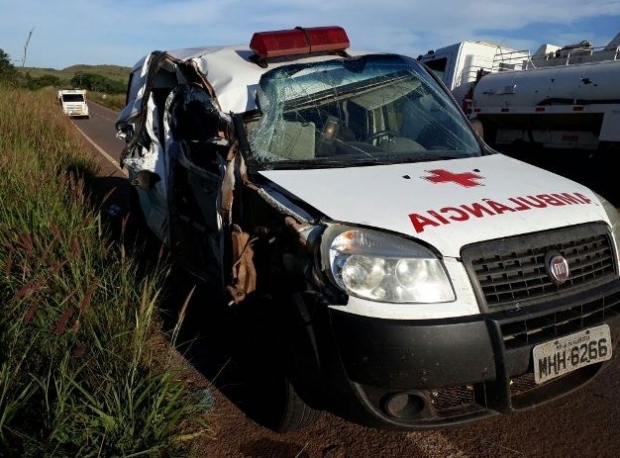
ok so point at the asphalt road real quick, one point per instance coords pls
(582, 424)
(99, 131)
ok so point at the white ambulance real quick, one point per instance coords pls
(399, 272)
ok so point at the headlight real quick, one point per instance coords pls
(383, 267)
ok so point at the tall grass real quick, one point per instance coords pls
(78, 377)
(112, 101)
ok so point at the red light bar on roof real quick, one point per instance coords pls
(267, 45)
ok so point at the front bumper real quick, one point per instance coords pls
(416, 375)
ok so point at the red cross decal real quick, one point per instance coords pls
(467, 179)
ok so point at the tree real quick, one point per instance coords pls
(42, 81)
(8, 72)
(95, 82)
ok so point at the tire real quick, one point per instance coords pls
(275, 404)
(273, 400)
(296, 414)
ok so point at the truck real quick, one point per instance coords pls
(388, 265)
(73, 102)
(562, 97)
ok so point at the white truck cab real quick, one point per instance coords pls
(415, 277)
(73, 102)
(462, 64)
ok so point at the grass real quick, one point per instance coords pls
(78, 375)
(112, 101)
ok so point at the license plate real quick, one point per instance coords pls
(565, 354)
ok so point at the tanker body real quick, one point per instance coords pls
(559, 97)
(573, 106)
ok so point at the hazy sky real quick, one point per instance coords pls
(68, 32)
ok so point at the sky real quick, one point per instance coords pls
(60, 33)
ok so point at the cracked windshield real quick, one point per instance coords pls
(373, 109)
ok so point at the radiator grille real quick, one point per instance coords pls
(453, 397)
(534, 330)
(512, 272)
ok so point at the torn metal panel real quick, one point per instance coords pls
(173, 102)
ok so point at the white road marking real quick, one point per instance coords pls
(103, 153)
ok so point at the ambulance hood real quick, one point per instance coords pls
(448, 203)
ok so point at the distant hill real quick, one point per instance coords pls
(114, 72)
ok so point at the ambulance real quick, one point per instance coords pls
(399, 272)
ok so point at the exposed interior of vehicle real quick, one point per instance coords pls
(332, 113)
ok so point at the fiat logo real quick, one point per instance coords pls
(557, 268)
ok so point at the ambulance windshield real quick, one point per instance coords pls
(375, 108)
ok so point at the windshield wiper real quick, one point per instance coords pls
(320, 163)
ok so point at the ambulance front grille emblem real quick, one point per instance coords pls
(557, 268)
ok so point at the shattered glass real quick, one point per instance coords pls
(370, 109)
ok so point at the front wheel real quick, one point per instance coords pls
(274, 398)
(287, 410)
(272, 401)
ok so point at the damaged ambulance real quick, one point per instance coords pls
(423, 279)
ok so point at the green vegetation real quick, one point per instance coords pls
(89, 81)
(8, 74)
(95, 82)
(79, 374)
(107, 79)
(106, 84)
(114, 101)
(112, 72)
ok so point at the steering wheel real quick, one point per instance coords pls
(382, 133)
